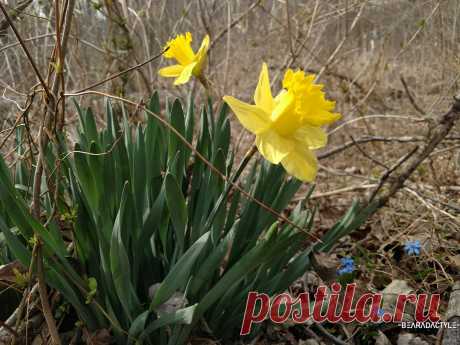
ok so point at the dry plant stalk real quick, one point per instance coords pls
(53, 120)
(437, 134)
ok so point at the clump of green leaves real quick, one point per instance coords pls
(155, 256)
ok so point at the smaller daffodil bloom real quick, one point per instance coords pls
(188, 63)
(287, 127)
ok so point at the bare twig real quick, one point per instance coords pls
(116, 75)
(340, 45)
(364, 153)
(369, 139)
(233, 23)
(289, 29)
(387, 173)
(411, 97)
(438, 133)
(26, 51)
(15, 12)
(337, 191)
(47, 312)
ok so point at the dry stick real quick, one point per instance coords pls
(116, 75)
(368, 139)
(227, 51)
(420, 29)
(15, 12)
(411, 97)
(39, 169)
(59, 65)
(288, 21)
(365, 154)
(45, 128)
(200, 156)
(340, 45)
(236, 21)
(302, 45)
(87, 43)
(438, 133)
(432, 200)
(389, 171)
(337, 191)
(11, 131)
(25, 40)
(47, 312)
(24, 48)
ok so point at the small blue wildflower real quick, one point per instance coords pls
(380, 312)
(412, 247)
(347, 266)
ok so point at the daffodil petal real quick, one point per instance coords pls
(273, 146)
(252, 117)
(201, 55)
(203, 48)
(301, 163)
(313, 137)
(180, 48)
(322, 117)
(279, 96)
(185, 74)
(285, 104)
(171, 71)
(263, 95)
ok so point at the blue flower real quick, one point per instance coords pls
(412, 247)
(381, 312)
(347, 265)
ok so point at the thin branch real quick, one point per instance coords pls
(47, 311)
(116, 75)
(365, 154)
(369, 139)
(236, 21)
(289, 29)
(387, 173)
(438, 133)
(26, 51)
(337, 191)
(411, 97)
(340, 45)
(15, 12)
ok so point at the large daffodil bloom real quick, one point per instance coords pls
(189, 63)
(287, 127)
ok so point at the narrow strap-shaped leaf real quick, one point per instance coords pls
(177, 208)
(182, 316)
(179, 275)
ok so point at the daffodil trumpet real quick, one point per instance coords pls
(189, 63)
(288, 127)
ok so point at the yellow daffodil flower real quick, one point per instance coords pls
(189, 63)
(287, 127)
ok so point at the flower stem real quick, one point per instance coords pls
(207, 86)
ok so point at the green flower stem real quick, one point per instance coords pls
(207, 86)
(230, 183)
